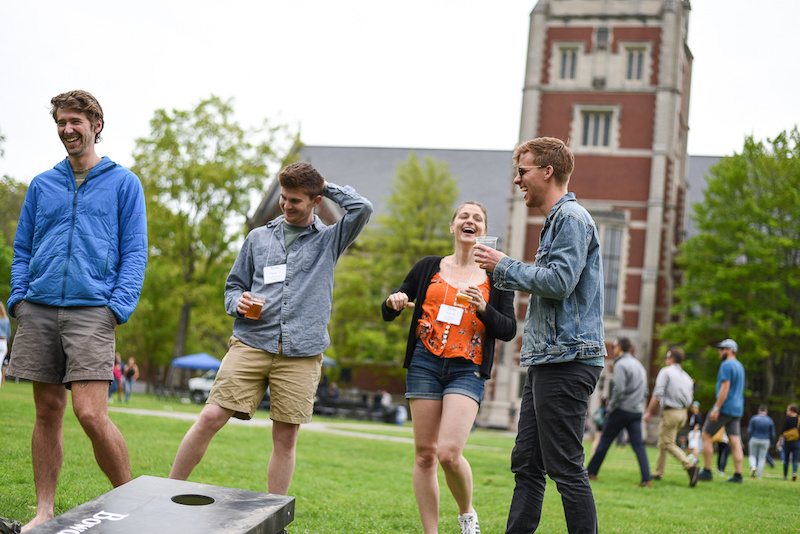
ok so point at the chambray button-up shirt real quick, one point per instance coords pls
(297, 309)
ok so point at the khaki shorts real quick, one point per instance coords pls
(246, 372)
(63, 345)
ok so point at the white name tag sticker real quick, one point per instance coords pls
(274, 273)
(450, 314)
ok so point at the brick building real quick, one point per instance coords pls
(613, 78)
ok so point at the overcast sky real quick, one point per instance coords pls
(416, 73)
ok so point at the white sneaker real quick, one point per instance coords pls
(692, 458)
(753, 471)
(469, 523)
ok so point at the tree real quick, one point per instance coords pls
(12, 195)
(416, 224)
(742, 271)
(202, 172)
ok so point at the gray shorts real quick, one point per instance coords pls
(63, 345)
(731, 424)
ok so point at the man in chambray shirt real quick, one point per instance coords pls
(287, 266)
(673, 391)
(563, 344)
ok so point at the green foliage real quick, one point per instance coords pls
(6, 255)
(202, 173)
(12, 195)
(742, 271)
(415, 225)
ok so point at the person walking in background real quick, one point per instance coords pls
(5, 335)
(628, 394)
(280, 293)
(599, 418)
(694, 440)
(722, 444)
(726, 412)
(79, 260)
(119, 376)
(673, 392)
(760, 435)
(563, 344)
(131, 375)
(789, 441)
(116, 384)
(449, 357)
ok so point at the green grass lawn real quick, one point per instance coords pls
(354, 484)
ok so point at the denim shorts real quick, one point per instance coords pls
(432, 377)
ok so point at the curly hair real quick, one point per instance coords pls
(82, 101)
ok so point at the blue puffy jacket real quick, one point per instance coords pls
(84, 247)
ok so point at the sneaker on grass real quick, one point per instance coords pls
(469, 523)
(706, 475)
(693, 471)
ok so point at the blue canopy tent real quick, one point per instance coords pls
(202, 361)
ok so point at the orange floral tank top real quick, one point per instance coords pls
(464, 340)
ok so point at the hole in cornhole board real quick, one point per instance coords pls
(193, 500)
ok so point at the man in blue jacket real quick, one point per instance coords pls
(79, 257)
(563, 344)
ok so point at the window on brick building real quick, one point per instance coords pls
(635, 64)
(596, 128)
(612, 265)
(569, 59)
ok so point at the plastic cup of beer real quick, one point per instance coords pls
(462, 299)
(486, 240)
(257, 302)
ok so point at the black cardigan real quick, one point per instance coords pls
(499, 317)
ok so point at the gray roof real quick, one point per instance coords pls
(696, 176)
(483, 175)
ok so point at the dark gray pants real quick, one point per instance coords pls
(550, 442)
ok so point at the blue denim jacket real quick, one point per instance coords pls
(564, 321)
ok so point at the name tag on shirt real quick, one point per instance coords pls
(450, 314)
(274, 273)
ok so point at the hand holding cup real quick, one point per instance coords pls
(485, 253)
(250, 305)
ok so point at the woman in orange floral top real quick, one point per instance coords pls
(457, 316)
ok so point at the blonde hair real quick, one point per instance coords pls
(3, 313)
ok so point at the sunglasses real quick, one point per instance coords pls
(521, 170)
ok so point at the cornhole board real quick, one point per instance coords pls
(164, 506)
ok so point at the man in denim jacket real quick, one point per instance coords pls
(563, 341)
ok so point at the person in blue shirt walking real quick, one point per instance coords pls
(80, 253)
(727, 411)
(760, 435)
